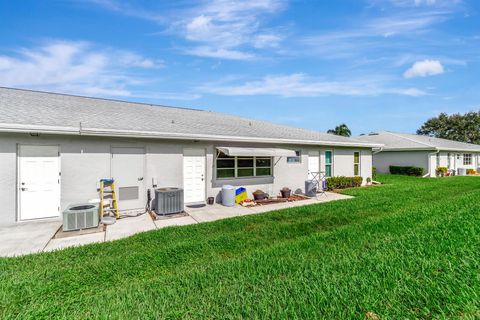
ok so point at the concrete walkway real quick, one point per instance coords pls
(31, 237)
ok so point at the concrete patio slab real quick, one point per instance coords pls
(80, 240)
(180, 221)
(129, 226)
(36, 236)
(216, 212)
(27, 237)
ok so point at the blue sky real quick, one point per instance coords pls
(371, 64)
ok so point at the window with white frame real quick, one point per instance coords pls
(467, 159)
(356, 163)
(296, 159)
(229, 167)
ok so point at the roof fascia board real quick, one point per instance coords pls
(409, 149)
(164, 135)
(429, 149)
(459, 149)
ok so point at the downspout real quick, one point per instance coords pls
(378, 150)
(430, 163)
(374, 153)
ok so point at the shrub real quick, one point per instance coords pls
(343, 182)
(374, 173)
(407, 171)
(471, 171)
(441, 171)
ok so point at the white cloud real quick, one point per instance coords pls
(224, 28)
(206, 51)
(416, 3)
(413, 92)
(404, 3)
(126, 9)
(74, 67)
(404, 24)
(266, 40)
(131, 59)
(424, 68)
(373, 37)
(300, 85)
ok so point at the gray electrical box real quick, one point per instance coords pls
(168, 201)
(80, 216)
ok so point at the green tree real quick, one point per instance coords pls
(458, 127)
(341, 130)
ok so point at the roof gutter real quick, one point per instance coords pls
(165, 135)
(430, 149)
(377, 150)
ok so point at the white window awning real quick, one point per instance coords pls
(256, 152)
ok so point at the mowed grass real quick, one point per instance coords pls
(407, 249)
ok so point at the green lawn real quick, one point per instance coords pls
(407, 249)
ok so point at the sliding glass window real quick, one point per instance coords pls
(242, 167)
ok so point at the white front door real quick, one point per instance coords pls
(128, 174)
(313, 164)
(194, 175)
(38, 182)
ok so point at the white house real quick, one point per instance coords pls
(54, 149)
(401, 149)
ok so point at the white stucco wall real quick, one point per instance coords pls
(424, 159)
(456, 161)
(383, 160)
(85, 160)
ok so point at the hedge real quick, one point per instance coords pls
(407, 171)
(343, 182)
(374, 174)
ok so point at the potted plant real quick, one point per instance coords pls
(286, 192)
(441, 171)
(259, 195)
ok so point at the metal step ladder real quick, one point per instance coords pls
(108, 199)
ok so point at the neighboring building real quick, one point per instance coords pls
(54, 149)
(401, 149)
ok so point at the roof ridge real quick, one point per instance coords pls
(102, 98)
(401, 135)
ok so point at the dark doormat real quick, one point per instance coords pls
(194, 206)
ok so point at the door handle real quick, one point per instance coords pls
(24, 189)
(140, 179)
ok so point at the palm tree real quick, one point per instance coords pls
(341, 130)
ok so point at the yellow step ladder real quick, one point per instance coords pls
(108, 198)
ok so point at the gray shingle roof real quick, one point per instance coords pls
(26, 110)
(405, 141)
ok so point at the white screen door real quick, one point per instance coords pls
(128, 173)
(39, 182)
(313, 163)
(194, 175)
